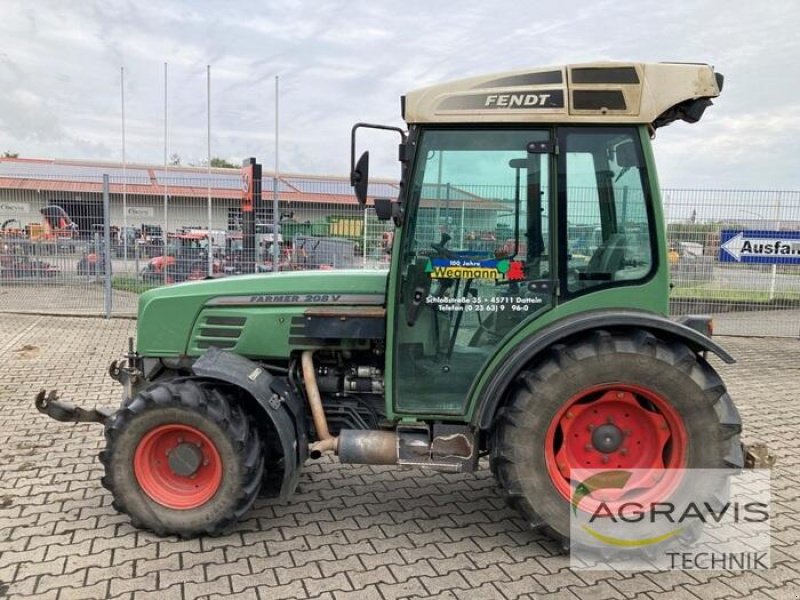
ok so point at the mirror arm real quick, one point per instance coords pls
(369, 126)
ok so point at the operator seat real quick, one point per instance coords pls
(609, 257)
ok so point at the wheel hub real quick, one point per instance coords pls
(607, 438)
(185, 459)
(178, 466)
(618, 427)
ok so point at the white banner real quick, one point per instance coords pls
(140, 211)
(14, 208)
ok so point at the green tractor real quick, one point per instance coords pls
(546, 347)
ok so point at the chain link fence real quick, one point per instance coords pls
(62, 252)
(57, 240)
(735, 254)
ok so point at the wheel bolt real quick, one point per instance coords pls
(590, 427)
(205, 462)
(569, 414)
(610, 419)
(627, 432)
(620, 395)
(604, 458)
(588, 447)
(180, 440)
(623, 451)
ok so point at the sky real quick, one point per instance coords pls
(341, 62)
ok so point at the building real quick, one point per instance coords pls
(139, 193)
(178, 197)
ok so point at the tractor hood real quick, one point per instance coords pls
(167, 315)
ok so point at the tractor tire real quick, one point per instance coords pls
(182, 459)
(656, 390)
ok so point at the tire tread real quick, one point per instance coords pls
(204, 397)
(521, 399)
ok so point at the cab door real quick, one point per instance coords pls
(475, 260)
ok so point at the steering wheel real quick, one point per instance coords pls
(440, 248)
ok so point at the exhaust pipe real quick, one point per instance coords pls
(352, 446)
(407, 446)
(325, 440)
(451, 448)
(360, 447)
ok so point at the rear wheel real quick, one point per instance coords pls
(183, 458)
(611, 402)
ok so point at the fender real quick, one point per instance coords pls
(276, 400)
(491, 395)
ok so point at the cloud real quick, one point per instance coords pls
(342, 62)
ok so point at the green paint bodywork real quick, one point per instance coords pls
(170, 316)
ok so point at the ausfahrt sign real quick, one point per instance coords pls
(762, 247)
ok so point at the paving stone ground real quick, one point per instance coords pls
(351, 532)
(84, 298)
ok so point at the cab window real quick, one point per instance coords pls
(608, 229)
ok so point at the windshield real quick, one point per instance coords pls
(481, 195)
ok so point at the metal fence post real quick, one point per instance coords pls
(106, 254)
(97, 254)
(364, 249)
(774, 265)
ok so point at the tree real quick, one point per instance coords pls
(222, 163)
(175, 159)
(9, 154)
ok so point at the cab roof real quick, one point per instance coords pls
(602, 92)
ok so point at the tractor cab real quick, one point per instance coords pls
(525, 197)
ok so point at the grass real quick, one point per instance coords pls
(707, 293)
(131, 284)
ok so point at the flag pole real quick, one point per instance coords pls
(165, 237)
(124, 173)
(275, 210)
(208, 169)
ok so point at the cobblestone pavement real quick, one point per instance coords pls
(351, 532)
(61, 299)
(780, 323)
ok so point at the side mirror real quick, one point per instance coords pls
(359, 178)
(386, 209)
(383, 209)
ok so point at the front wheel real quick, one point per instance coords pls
(183, 458)
(611, 402)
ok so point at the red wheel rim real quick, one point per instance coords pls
(649, 434)
(188, 479)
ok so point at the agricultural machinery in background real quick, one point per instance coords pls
(54, 233)
(21, 245)
(185, 259)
